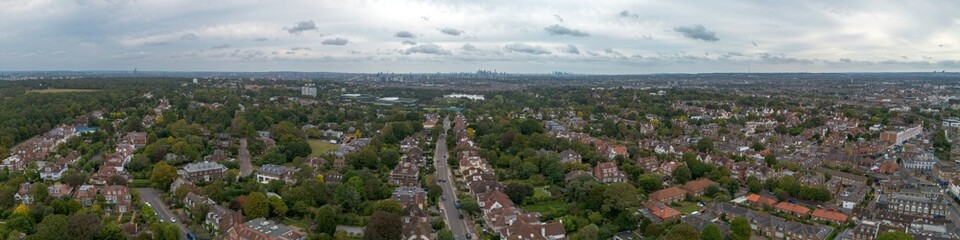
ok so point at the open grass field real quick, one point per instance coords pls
(62, 90)
(320, 147)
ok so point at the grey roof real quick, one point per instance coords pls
(273, 229)
(274, 169)
(203, 166)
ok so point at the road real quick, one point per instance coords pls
(246, 167)
(152, 196)
(458, 226)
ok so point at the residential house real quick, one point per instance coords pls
(262, 229)
(270, 172)
(416, 224)
(85, 194)
(661, 211)
(758, 201)
(23, 193)
(618, 150)
(220, 219)
(699, 187)
(192, 200)
(405, 174)
(795, 230)
(119, 197)
(648, 164)
(792, 209)
(607, 172)
(832, 216)
(52, 171)
(202, 171)
(570, 156)
(409, 195)
(59, 190)
(668, 195)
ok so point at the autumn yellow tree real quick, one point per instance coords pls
(21, 210)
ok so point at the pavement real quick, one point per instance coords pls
(152, 196)
(246, 167)
(451, 214)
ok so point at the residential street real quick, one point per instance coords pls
(459, 227)
(246, 167)
(152, 196)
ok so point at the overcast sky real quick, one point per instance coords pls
(452, 36)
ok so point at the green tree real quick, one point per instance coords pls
(619, 197)
(277, 206)
(739, 229)
(682, 174)
(470, 205)
(84, 226)
(383, 226)
(770, 159)
(754, 184)
(650, 183)
(588, 232)
(895, 235)
(518, 192)
(445, 234)
(163, 175)
(53, 227)
(711, 232)
(256, 205)
(683, 231)
(326, 219)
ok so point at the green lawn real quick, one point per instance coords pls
(321, 147)
(688, 207)
(540, 193)
(62, 90)
(545, 207)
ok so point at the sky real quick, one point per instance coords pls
(537, 36)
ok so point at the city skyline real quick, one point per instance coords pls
(615, 37)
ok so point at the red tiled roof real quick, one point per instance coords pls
(753, 198)
(829, 215)
(660, 210)
(698, 185)
(666, 193)
(790, 207)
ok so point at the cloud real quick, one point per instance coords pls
(697, 32)
(263, 39)
(335, 41)
(570, 48)
(299, 48)
(558, 18)
(451, 31)
(627, 14)
(469, 47)
(188, 37)
(302, 26)
(408, 42)
(525, 48)
(556, 29)
(224, 46)
(428, 48)
(404, 34)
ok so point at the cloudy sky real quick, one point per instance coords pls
(507, 35)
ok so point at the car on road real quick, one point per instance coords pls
(191, 236)
(461, 216)
(172, 219)
(456, 204)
